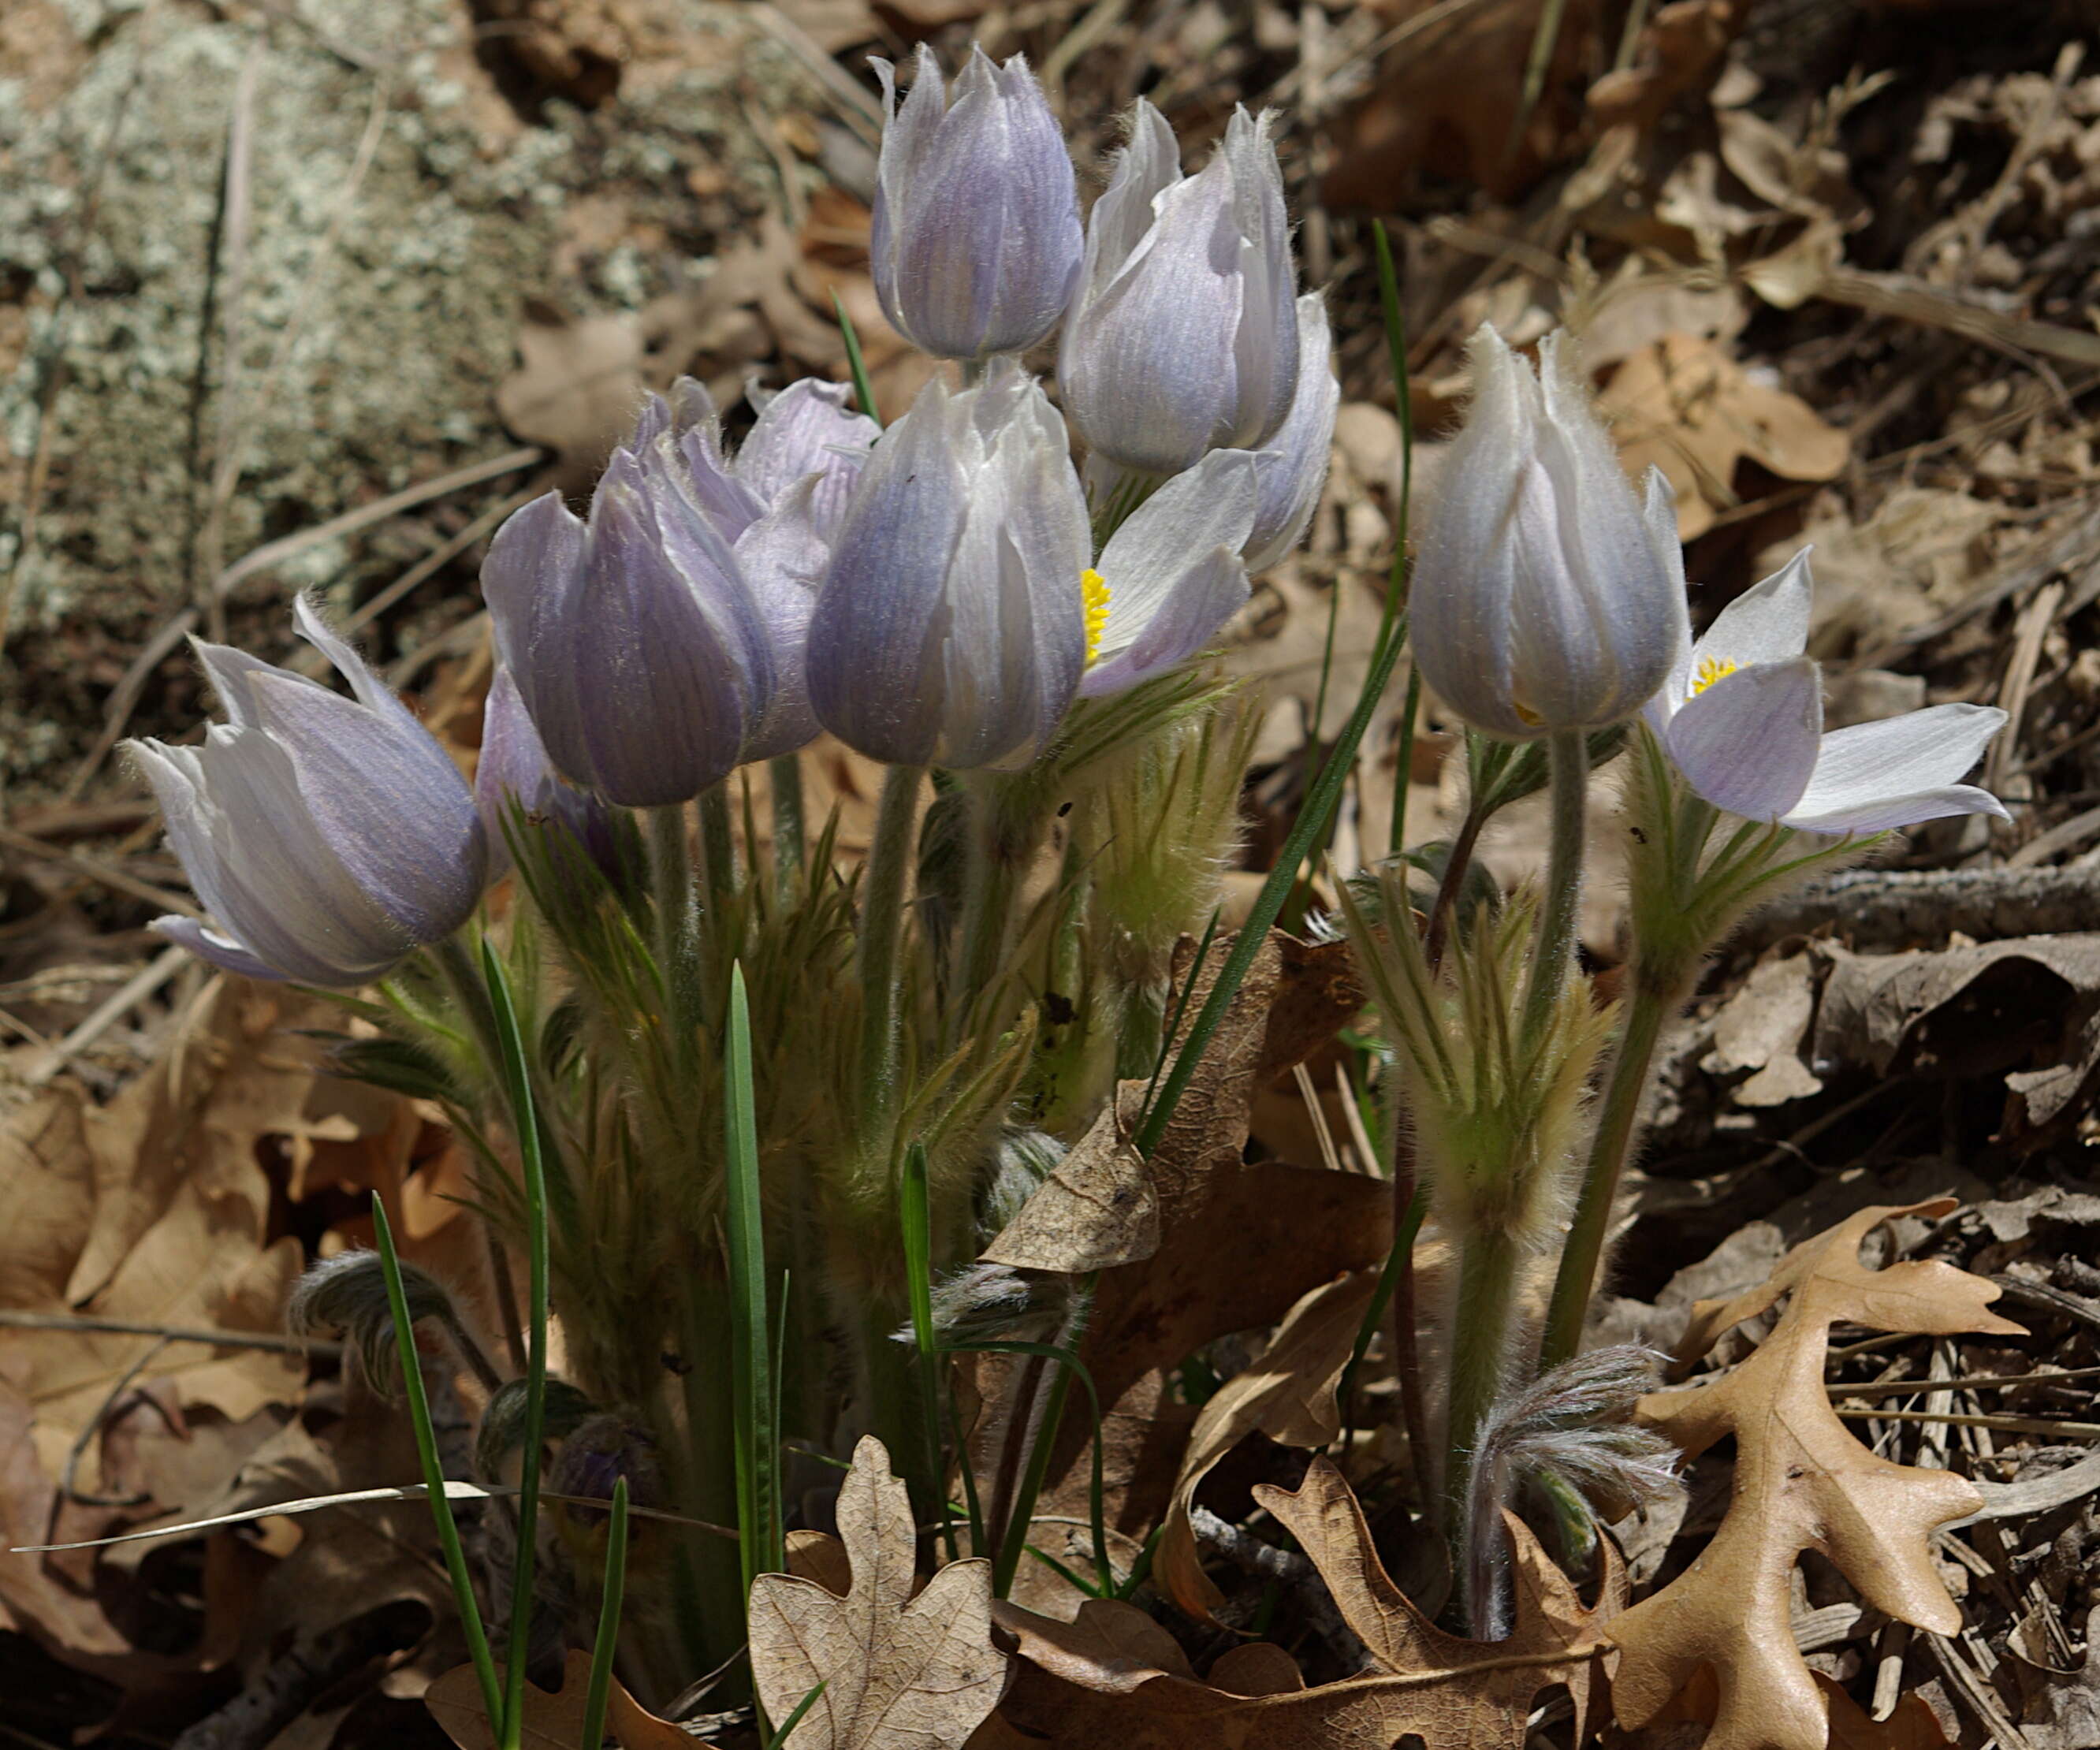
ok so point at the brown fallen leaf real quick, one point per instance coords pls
(1115, 1676)
(1096, 1210)
(1684, 406)
(1288, 1394)
(899, 1671)
(1913, 1725)
(1239, 1242)
(1801, 1481)
(553, 1721)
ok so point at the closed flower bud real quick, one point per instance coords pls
(1183, 335)
(658, 646)
(327, 837)
(975, 242)
(950, 628)
(1292, 466)
(1541, 601)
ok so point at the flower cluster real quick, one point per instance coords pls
(940, 593)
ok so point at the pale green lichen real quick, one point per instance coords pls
(409, 321)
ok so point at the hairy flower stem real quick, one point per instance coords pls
(1407, 1213)
(1568, 757)
(1647, 1014)
(1481, 1325)
(671, 876)
(462, 978)
(784, 779)
(1005, 828)
(1445, 904)
(885, 888)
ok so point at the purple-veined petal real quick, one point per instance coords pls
(207, 944)
(1205, 595)
(784, 559)
(806, 429)
(1748, 743)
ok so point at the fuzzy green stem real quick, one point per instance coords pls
(1004, 828)
(1646, 1015)
(1481, 1323)
(1568, 755)
(717, 848)
(677, 923)
(886, 890)
(790, 835)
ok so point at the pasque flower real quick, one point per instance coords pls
(327, 837)
(1541, 600)
(975, 241)
(657, 645)
(1741, 715)
(1183, 334)
(950, 628)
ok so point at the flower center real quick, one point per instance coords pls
(1711, 669)
(1094, 595)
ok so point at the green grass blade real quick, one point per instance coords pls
(855, 364)
(433, 1475)
(795, 1719)
(525, 1127)
(1403, 400)
(600, 1689)
(1070, 1366)
(751, 1327)
(915, 1215)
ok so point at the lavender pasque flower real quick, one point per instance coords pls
(950, 628)
(515, 773)
(657, 646)
(1541, 600)
(975, 241)
(1291, 468)
(327, 837)
(1741, 716)
(1183, 335)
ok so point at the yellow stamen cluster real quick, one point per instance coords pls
(1094, 593)
(1710, 670)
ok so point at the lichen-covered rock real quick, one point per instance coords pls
(348, 340)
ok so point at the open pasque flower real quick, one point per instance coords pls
(1741, 715)
(1184, 336)
(1540, 602)
(975, 242)
(327, 837)
(951, 628)
(657, 646)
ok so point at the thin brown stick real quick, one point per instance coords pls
(21, 1319)
(93, 870)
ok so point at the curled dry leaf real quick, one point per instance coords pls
(1288, 1394)
(900, 1671)
(552, 1722)
(1115, 1677)
(1801, 1481)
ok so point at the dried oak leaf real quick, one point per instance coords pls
(1115, 1676)
(1288, 1394)
(552, 1722)
(899, 1671)
(1801, 1481)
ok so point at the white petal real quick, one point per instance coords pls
(1749, 743)
(1659, 509)
(1768, 622)
(1174, 531)
(1205, 593)
(1900, 771)
(207, 944)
